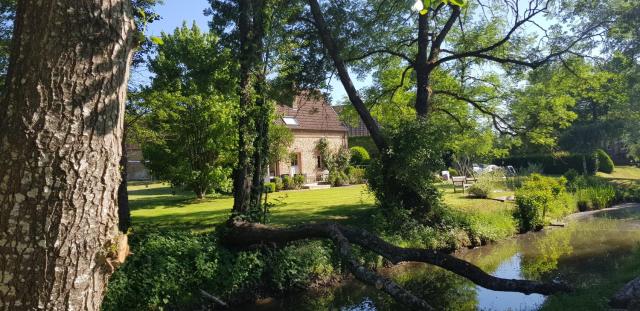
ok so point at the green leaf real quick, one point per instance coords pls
(157, 40)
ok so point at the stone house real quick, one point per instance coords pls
(135, 164)
(310, 118)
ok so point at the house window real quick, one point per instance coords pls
(289, 120)
(319, 162)
(294, 159)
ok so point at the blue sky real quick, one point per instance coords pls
(174, 12)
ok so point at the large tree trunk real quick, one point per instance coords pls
(60, 143)
(262, 111)
(395, 190)
(242, 173)
(253, 124)
(355, 99)
(124, 213)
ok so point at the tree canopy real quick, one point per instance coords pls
(192, 112)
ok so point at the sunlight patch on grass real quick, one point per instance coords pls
(623, 172)
(158, 205)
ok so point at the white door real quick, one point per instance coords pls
(295, 165)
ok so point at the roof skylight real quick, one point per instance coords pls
(290, 121)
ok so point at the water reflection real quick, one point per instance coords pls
(492, 300)
(586, 253)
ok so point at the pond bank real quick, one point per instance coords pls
(597, 252)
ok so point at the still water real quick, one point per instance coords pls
(588, 252)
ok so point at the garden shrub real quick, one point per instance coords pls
(278, 182)
(168, 269)
(288, 183)
(605, 164)
(539, 199)
(356, 175)
(571, 176)
(359, 156)
(480, 190)
(515, 182)
(405, 177)
(269, 187)
(297, 265)
(530, 209)
(554, 164)
(338, 178)
(365, 142)
(486, 183)
(298, 181)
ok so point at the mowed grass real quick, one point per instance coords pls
(157, 205)
(623, 174)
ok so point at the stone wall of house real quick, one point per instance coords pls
(135, 168)
(304, 145)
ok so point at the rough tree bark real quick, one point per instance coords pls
(244, 234)
(60, 141)
(124, 213)
(355, 99)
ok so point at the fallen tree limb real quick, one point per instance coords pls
(244, 234)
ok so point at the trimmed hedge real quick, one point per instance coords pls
(366, 142)
(554, 165)
(359, 156)
(605, 164)
(269, 187)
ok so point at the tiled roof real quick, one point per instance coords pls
(311, 112)
(357, 131)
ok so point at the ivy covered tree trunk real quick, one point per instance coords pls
(253, 123)
(242, 173)
(60, 141)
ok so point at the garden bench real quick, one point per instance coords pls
(462, 182)
(468, 181)
(458, 181)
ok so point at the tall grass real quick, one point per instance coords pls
(591, 193)
(595, 197)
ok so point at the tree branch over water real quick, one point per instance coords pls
(244, 234)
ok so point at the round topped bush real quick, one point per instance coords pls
(359, 156)
(605, 164)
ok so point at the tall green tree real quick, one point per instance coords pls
(266, 39)
(466, 40)
(585, 106)
(191, 111)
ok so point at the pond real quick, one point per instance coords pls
(596, 254)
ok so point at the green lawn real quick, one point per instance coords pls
(154, 204)
(623, 174)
